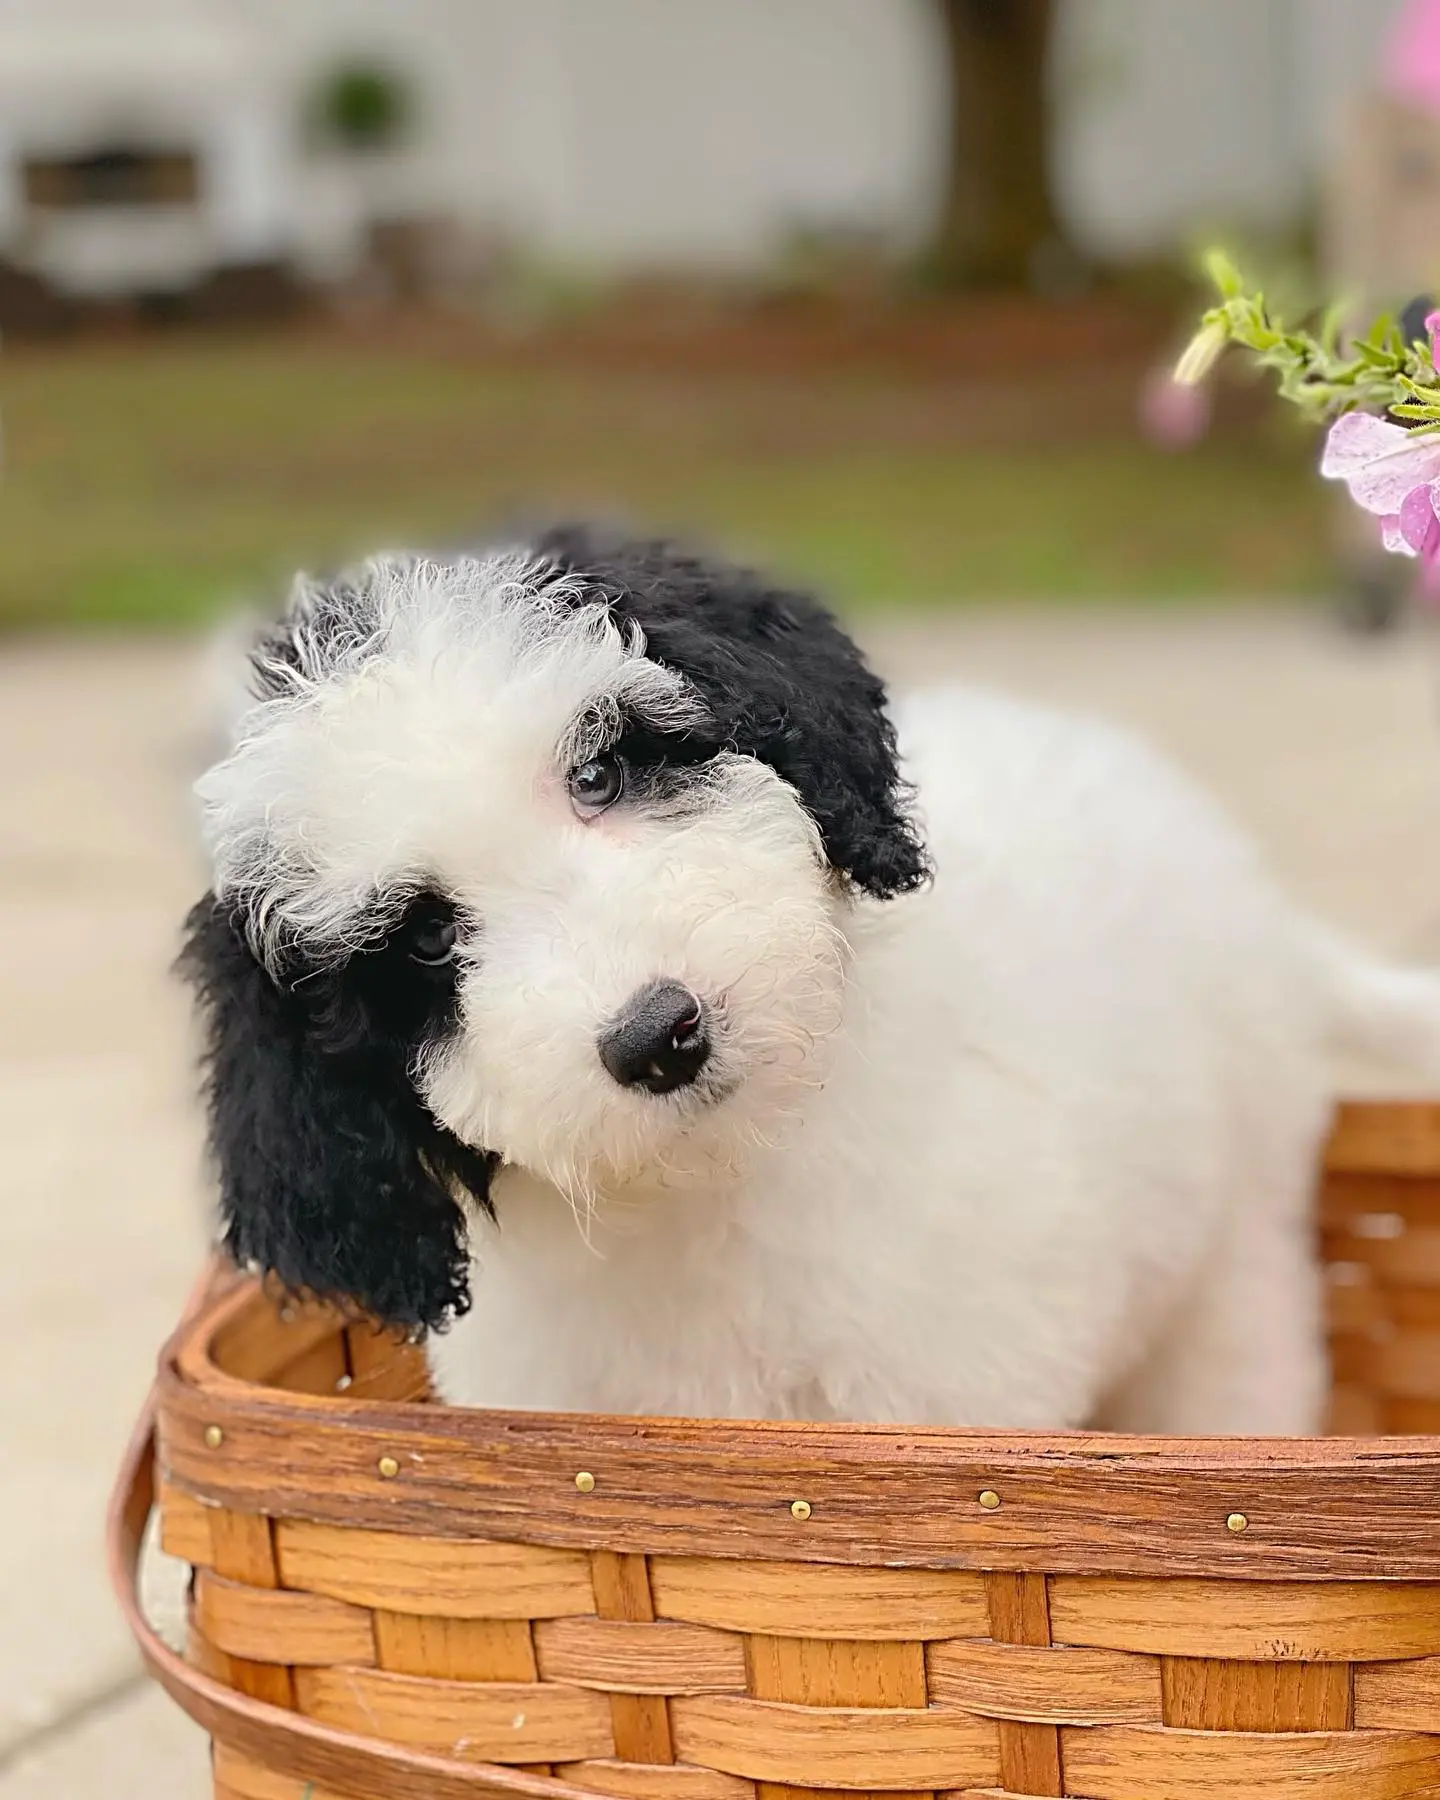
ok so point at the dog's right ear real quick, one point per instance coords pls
(333, 1175)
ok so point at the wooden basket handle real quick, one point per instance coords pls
(285, 1742)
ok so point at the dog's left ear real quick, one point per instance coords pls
(333, 1176)
(785, 684)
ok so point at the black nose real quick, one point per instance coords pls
(659, 1040)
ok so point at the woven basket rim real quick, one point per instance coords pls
(1314, 1509)
(284, 1740)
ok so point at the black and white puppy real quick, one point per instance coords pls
(574, 977)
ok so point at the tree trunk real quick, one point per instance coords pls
(998, 218)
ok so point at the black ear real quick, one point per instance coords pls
(785, 683)
(333, 1175)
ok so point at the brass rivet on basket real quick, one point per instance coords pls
(214, 1437)
(989, 1499)
(1237, 1522)
(585, 1481)
(388, 1467)
(800, 1509)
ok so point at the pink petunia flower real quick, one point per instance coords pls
(1392, 473)
(1432, 325)
(1419, 527)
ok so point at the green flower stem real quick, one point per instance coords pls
(1377, 372)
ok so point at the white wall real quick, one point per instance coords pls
(683, 127)
(1181, 115)
(698, 132)
(654, 131)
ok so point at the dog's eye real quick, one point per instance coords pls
(596, 784)
(431, 940)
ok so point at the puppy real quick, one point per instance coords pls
(588, 970)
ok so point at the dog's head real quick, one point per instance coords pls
(544, 857)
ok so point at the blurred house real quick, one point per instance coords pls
(142, 146)
(147, 144)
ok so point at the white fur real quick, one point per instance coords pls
(1064, 1155)
(1034, 1147)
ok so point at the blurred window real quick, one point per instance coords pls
(115, 177)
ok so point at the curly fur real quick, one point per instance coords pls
(334, 1176)
(1028, 1144)
(782, 683)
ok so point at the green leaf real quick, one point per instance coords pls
(1223, 274)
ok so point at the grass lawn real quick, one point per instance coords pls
(153, 479)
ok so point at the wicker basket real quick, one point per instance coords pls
(397, 1601)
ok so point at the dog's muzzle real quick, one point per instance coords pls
(659, 1041)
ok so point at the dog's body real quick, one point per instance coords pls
(1031, 1144)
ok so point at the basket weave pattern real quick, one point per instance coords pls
(622, 1659)
(681, 1677)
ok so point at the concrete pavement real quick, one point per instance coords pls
(1328, 750)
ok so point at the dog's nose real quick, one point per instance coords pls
(659, 1041)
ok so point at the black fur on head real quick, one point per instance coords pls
(783, 682)
(333, 1175)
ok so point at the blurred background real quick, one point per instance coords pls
(847, 282)
(881, 292)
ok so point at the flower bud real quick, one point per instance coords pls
(1202, 353)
